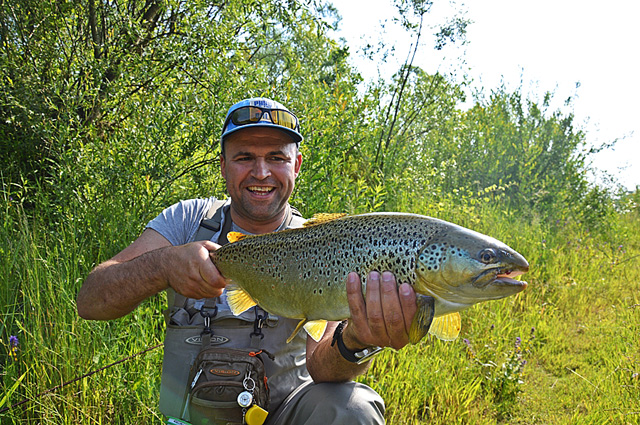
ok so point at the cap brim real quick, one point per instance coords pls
(297, 138)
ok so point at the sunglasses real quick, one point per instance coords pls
(254, 114)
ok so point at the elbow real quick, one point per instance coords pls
(87, 305)
(83, 308)
(83, 312)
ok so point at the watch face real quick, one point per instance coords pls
(245, 398)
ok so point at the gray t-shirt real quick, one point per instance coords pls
(179, 223)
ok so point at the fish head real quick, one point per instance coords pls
(460, 267)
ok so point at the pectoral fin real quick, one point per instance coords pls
(447, 327)
(239, 300)
(423, 318)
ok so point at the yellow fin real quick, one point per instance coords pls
(323, 218)
(316, 328)
(235, 236)
(239, 300)
(447, 327)
(296, 330)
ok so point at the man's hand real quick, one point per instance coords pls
(191, 272)
(382, 317)
(148, 266)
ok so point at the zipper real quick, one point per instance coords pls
(193, 384)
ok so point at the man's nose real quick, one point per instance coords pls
(261, 169)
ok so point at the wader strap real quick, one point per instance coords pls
(211, 222)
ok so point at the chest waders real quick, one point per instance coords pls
(190, 321)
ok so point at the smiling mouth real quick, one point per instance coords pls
(260, 190)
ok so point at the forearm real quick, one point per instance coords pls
(326, 364)
(114, 289)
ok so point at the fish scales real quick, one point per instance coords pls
(301, 273)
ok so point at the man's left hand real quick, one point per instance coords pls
(383, 316)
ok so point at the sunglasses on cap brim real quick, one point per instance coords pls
(247, 115)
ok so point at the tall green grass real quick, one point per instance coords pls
(565, 351)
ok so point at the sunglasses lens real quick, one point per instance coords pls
(246, 115)
(252, 115)
(284, 118)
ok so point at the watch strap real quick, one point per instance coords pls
(359, 356)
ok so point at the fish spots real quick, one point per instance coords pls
(433, 256)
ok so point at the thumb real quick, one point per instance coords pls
(211, 246)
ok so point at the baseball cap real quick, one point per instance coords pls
(261, 112)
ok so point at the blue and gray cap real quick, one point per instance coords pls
(261, 112)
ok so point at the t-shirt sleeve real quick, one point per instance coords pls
(179, 222)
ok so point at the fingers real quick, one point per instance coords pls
(383, 317)
(408, 303)
(375, 313)
(359, 332)
(392, 311)
(193, 274)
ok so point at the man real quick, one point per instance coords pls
(260, 161)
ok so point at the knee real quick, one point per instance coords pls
(349, 402)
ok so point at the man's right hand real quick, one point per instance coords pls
(146, 267)
(192, 273)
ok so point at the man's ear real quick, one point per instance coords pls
(222, 163)
(298, 163)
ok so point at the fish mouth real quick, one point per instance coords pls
(502, 277)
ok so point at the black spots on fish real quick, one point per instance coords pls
(432, 256)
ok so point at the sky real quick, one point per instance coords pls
(587, 50)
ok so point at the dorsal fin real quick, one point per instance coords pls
(323, 218)
(235, 236)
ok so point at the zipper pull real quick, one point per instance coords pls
(195, 379)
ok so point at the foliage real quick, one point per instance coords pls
(110, 111)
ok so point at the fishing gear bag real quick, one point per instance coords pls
(225, 384)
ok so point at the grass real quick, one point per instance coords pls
(565, 351)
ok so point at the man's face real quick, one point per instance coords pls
(260, 167)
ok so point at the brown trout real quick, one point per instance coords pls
(302, 273)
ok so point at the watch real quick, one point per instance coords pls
(360, 356)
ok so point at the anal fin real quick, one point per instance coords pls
(316, 328)
(296, 330)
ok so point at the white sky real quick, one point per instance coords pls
(550, 45)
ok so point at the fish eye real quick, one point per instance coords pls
(488, 256)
